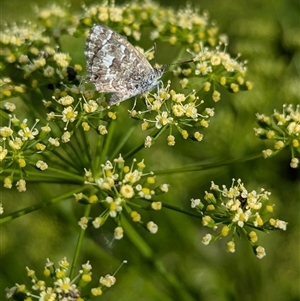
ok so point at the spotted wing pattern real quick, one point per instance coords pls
(116, 66)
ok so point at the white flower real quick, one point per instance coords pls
(148, 141)
(41, 165)
(97, 222)
(91, 106)
(5, 131)
(66, 100)
(294, 163)
(10, 106)
(21, 185)
(260, 252)
(54, 141)
(83, 223)
(132, 177)
(164, 187)
(102, 129)
(65, 286)
(65, 138)
(3, 153)
(69, 115)
(127, 191)
(27, 133)
(108, 280)
(206, 239)
(195, 202)
(162, 120)
(16, 143)
(278, 224)
(48, 295)
(118, 233)
(231, 247)
(115, 206)
(152, 227)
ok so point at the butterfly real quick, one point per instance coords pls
(116, 66)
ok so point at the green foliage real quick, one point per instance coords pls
(98, 185)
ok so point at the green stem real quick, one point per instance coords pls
(154, 136)
(136, 239)
(63, 157)
(175, 284)
(134, 151)
(204, 166)
(122, 142)
(86, 147)
(178, 209)
(103, 145)
(79, 245)
(56, 175)
(35, 207)
(78, 151)
(67, 175)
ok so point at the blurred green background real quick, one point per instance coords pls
(266, 33)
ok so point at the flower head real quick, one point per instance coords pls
(284, 129)
(239, 210)
(120, 189)
(59, 286)
(168, 110)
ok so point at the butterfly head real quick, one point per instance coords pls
(159, 71)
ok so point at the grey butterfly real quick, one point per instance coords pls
(116, 66)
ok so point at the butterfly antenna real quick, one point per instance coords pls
(166, 65)
(180, 63)
(154, 48)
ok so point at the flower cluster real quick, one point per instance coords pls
(120, 189)
(19, 146)
(284, 129)
(22, 145)
(35, 60)
(216, 68)
(168, 110)
(58, 286)
(82, 111)
(56, 19)
(185, 26)
(235, 211)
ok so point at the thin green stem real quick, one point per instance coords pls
(67, 174)
(136, 239)
(36, 107)
(103, 144)
(86, 147)
(79, 245)
(154, 136)
(174, 283)
(79, 152)
(134, 151)
(64, 158)
(178, 209)
(56, 175)
(122, 142)
(35, 207)
(204, 166)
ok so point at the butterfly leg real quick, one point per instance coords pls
(162, 85)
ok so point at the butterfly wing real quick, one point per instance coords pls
(114, 65)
